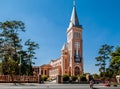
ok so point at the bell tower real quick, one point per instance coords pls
(74, 41)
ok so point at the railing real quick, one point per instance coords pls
(18, 79)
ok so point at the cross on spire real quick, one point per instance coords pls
(74, 3)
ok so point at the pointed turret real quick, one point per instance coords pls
(74, 22)
(64, 47)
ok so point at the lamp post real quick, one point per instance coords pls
(19, 52)
(20, 68)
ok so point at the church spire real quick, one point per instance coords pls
(74, 22)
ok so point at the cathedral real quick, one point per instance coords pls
(70, 61)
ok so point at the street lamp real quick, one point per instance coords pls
(20, 66)
(19, 62)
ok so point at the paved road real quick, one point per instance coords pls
(53, 86)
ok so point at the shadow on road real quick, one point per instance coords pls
(95, 88)
(22, 84)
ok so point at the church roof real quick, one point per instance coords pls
(55, 60)
(74, 18)
(46, 65)
(64, 46)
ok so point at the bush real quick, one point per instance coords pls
(83, 78)
(65, 78)
(44, 78)
(74, 78)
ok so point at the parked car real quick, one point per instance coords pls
(107, 84)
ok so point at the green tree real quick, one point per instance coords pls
(104, 55)
(115, 62)
(11, 49)
(10, 42)
(12, 66)
(96, 76)
(109, 73)
(31, 47)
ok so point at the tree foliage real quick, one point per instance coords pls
(12, 54)
(104, 55)
(96, 76)
(31, 46)
(115, 61)
(114, 64)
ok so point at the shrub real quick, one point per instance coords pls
(44, 78)
(83, 78)
(74, 78)
(65, 78)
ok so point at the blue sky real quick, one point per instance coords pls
(46, 23)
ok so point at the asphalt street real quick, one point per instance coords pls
(53, 86)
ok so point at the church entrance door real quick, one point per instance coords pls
(77, 71)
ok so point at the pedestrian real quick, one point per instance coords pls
(91, 83)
